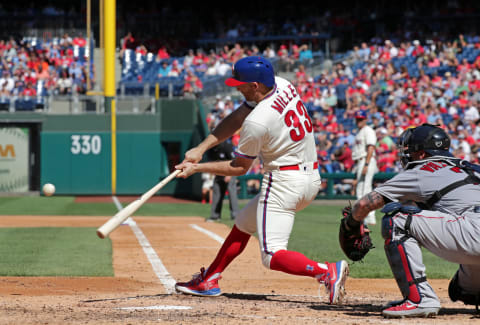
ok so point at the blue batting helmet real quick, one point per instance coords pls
(252, 69)
(360, 115)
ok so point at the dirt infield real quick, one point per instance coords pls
(251, 293)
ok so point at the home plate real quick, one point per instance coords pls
(160, 307)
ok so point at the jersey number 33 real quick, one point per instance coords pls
(299, 122)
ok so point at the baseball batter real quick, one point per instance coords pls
(275, 127)
(363, 153)
(434, 203)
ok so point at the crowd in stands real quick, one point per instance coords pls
(398, 84)
(189, 72)
(32, 68)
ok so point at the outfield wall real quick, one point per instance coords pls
(75, 150)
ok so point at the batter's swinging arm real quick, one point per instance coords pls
(126, 212)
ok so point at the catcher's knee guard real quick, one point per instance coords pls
(455, 292)
(390, 210)
(395, 250)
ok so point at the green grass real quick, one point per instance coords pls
(315, 232)
(66, 205)
(56, 205)
(54, 252)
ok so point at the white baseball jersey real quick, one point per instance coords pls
(279, 130)
(365, 137)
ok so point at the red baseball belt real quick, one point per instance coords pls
(296, 167)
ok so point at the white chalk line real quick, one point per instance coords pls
(160, 270)
(208, 233)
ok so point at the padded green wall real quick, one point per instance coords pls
(143, 145)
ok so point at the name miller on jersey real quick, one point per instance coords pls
(280, 102)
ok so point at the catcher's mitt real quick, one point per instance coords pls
(354, 236)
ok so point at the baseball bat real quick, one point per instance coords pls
(126, 212)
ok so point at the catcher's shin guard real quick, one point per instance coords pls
(398, 259)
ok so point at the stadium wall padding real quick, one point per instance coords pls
(76, 149)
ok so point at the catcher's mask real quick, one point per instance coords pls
(427, 137)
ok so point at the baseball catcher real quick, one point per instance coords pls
(354, 236)
(434, 203)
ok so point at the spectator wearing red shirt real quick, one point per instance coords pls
(386, 159)
(332, 126)
(466, 135)
(128, 42)
(419, 117)
(418, 50)
(307, 94)
(402, 50)
(199, 58)
(357, 89)
(462, 101)
(141, 49)
(474, 83)
(301, 75)
(193, 85)
(385, 55)
(79, 41)
(30, 78)
(29, 90)
(476, 63)
(344, 156)
(162, 53)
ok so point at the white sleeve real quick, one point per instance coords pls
(370, 137)
(252, 137)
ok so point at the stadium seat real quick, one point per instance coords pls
(25, 104)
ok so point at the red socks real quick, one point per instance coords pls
(297, 264)
(285, 261)
(233, 246)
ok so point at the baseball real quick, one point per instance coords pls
(48, 189)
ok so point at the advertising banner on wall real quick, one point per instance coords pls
(14, 147)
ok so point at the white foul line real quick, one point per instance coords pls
(160, 271)
(208, 233)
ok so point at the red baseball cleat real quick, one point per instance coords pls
(335, 281)
(199, 286)
(409, 309)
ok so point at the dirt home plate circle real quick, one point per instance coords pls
(48, 189)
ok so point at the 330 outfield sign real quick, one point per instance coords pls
(86, 144)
